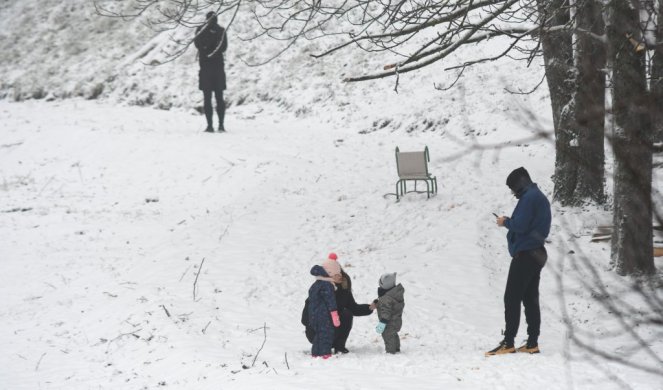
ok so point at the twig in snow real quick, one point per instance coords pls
(254, 330)
(11, 145)
(263, 344)
(127, 321)
(17, 209)
(122, 335)
(39, 361)
(286, 361)
(224, 232)
(45, 185)
(166, 310)
(205, 328)
(80, 172)
(185, 271)
(195, 282)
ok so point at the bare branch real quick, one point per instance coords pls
(195, 282)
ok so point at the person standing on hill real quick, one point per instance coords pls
(528, 227)
(211, 42)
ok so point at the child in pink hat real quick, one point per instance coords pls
(322, 313)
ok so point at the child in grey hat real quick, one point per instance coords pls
(390, 304)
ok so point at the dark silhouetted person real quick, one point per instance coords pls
(212, 42)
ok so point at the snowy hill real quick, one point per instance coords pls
(141, 253)
(56, 50)
(109, 212)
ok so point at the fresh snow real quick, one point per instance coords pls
(107, 211)
(118, 206)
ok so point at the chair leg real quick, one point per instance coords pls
(427, 189)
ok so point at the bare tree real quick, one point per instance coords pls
(632, 246)
(557, 47)
(590, 101)
(576, 83)
(657, 77)
(168, 16)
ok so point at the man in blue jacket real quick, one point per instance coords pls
(528, 228)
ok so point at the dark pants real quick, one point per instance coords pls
(392, 342)
(522, 285)
(341, 333)
(322, 340)
(220, 106)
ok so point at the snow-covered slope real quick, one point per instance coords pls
(56, 50)
(108, 213)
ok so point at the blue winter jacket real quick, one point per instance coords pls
(321, 300)
(529, 224)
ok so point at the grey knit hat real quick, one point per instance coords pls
(388, 281)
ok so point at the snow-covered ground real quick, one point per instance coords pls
(108, 212)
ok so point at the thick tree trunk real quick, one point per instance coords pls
(560, 74)
(656, 90)
(632, 249)
(590, 104)
(577, 94)
(657, 79)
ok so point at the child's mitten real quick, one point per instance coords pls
(380, 327)
(335, 320)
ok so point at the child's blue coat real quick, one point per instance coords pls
(321, 302)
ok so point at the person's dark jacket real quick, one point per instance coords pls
(211, 42)
(390, 307)
(345, 299)
(529, 224)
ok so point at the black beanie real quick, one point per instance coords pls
(211, 16)
(518, 180)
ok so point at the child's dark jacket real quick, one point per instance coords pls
(321, 301)
(390, 307)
